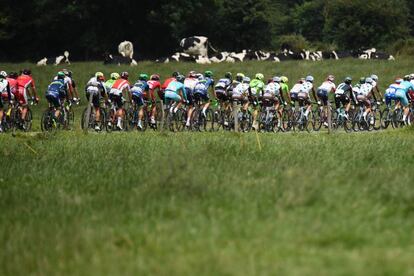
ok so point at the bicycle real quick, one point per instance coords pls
(342, 120)
(91, 121)
(268, 118)
(49, 122)
(15, 120)
(302, 122)
(244, 118)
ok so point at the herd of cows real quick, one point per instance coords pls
(196, 49)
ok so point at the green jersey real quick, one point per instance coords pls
(109, 83)
(256, 87)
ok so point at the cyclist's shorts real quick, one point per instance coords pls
(21, 95)
(171, 95)
(402, 97)
(95, 99)
(363, 99)
(341, 99)
(138, 99)
(53, 99)
(202, 96)
(389, 97)
(240, 98)
(294, 96)
(221, 96)
(117, 100)
(323, 96)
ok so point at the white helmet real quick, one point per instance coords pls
(412, 76)
(276, 79)
(369, 80)
(399, 80)
(374, 77)
(309, 78)
(3, 74)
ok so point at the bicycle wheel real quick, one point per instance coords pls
(317, 119)
(218, 120)
(377, 119)
(207, 122)
(397, 118)
(27, 122)
(45, 122)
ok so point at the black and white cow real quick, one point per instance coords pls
(184, 57)
(55, 60)
(118, 60)
(196, 46)
(126, 49)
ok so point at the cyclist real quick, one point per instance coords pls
(175, 92)
(390, 92)
(323, 91)
(154, 88)
(221, 90)
(284, 85)
(241, 93)
(303, 95)
(57, 91)
(235, 82)
(273, 92)
(4, 91)
(189, 85)
(25, 88)
(201, 90)
(293, 95)
(376, 89)
(256, 93)
(95, 88)
(72, 85)
(114, 76)
(401, 94)
(67, 82)
(119, 87)
(139, 92)
(166, 83)
(365, 94)
(343, 95)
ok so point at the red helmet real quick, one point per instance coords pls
(155, 77)
(124, 75)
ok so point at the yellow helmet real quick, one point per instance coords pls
(115, 76)
(99, 74)
(284, 79)
(259, 76)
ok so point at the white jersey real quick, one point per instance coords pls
(272, 88)
(67, 81)
(3, 85)
(190, 83)
(306, 87)
(296, 88)
(92, 86)
(241, 89)
(365, 89)
(327, 86)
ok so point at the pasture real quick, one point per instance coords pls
(75, 203)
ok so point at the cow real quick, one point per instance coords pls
(220, 57)
(55, 60)
(126, 49)
(196, 46)
(118, 60)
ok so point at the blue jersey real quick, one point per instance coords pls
(57, 88)
(222, 85)
(176, 87)
(407, 86)
(139, 88)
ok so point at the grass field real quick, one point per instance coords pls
(209, 203)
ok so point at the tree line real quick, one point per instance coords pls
(32, 29)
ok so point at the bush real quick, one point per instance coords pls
(403, 47)
(293, 42)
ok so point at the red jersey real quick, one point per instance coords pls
(166, 83)
(153, 85)
(13, 85)
(121, 84)
(24, 81)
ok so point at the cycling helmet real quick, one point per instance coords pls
(374, 77)
(61, 75)
(155, 77)
(192, 74)
(115, 76)
(124, 75)
(362, 80)
(200, 77)
(180, 78)
(239, 77)
(412, 76)
(284, 79)
(208, 74)
(276, 79)
(175, 74)
(27, 72)
(330, 78)
(13, 75)
(309, 79)
(99, 75)
(369, 80)
(143, 77)
(399, 80)
(246, 79)
(348, 80)
(407, 77)
(3, 74)
(228, 75)
(259, 76)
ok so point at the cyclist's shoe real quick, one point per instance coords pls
(346, 116)
(1, 129)
(119, 126)
(139, 125)
(371, 121)
(153, 120)
(97, 128)
(325, 124)
(226, 123)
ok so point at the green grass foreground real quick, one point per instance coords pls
(207, 204)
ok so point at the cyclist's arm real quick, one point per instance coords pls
(8, 92)
(281, 94)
